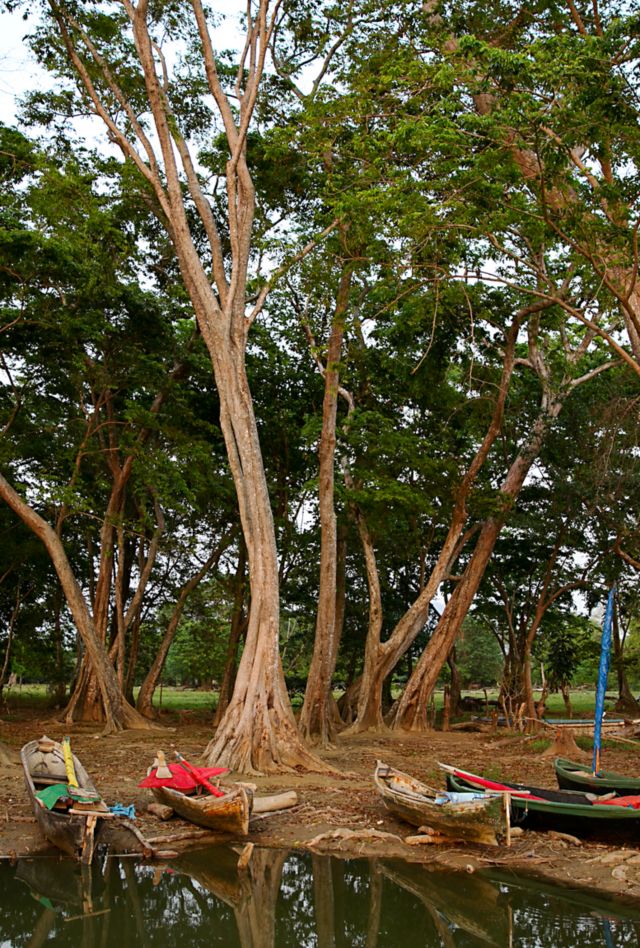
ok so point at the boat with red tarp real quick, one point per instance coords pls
(569, 811)
(190, 792)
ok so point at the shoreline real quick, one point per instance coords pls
(339, 813)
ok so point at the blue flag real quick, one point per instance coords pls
(603, 671)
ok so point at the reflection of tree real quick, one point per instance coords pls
(43, 926)
(375, 904)
(256, 918)
(323, 898)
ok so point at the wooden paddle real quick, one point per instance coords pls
(193, 771)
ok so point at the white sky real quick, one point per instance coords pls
(20, 73)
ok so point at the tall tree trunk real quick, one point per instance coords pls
(118, 713)
(411, 710)
(258, 732)
(316, 719)
(381, 658)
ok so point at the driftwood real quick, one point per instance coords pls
(565, 837)
(342, 834)
(175, 837)
(160, 810)
(277, 801)
(245, 856)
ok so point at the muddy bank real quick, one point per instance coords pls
(339, 813)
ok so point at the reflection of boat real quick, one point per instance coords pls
(520, 888)
(565, 810)
(70, 825)
(572, 776)
(464, 901)
(60, 882)
(216, 869)
(469, 817)
(226, 814)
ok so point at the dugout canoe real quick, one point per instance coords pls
(228, 814)
(464, 816)
(573, 776)
(568, 811)
(584, 726)
(72, 827)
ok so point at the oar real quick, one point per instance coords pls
(68, 762)
(197, 776)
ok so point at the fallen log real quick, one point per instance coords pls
(277, 801)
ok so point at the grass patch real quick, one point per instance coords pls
(539, 745)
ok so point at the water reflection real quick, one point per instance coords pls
(286, 899)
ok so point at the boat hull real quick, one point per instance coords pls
(64, 830)
(228, 814)
(572, 776)
(584, 819)
(478, 821)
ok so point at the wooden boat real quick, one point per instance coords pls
(227, 814)
(476, 820)
(74, 829)
(584, 726)
(568, 811)
(572, 776)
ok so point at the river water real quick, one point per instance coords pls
(289, 899)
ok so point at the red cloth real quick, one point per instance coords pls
(180, 779)
(633, 802)
(484, 784)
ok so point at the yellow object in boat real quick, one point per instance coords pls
(68, 762)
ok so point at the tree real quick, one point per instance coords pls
(115, 55)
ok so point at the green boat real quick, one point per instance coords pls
(567, 811)
(572, 776)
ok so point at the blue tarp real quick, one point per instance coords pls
(603, 671)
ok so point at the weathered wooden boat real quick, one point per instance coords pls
(569, 811)
(584, 726)
(70, 825)
(466, 816)
(227, 814)
(573, 776)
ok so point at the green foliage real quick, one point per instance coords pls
(478, 654)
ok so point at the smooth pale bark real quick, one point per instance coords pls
(381, 658)
(258, 732)
(316, 718)
(118, 713)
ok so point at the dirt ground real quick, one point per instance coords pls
(338, 813)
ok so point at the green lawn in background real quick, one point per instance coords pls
(187, 699)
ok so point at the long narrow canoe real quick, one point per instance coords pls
(74, 832)
(572, 776)
(583, 726)
(463, 816)
(564, 810)
(228, 814)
